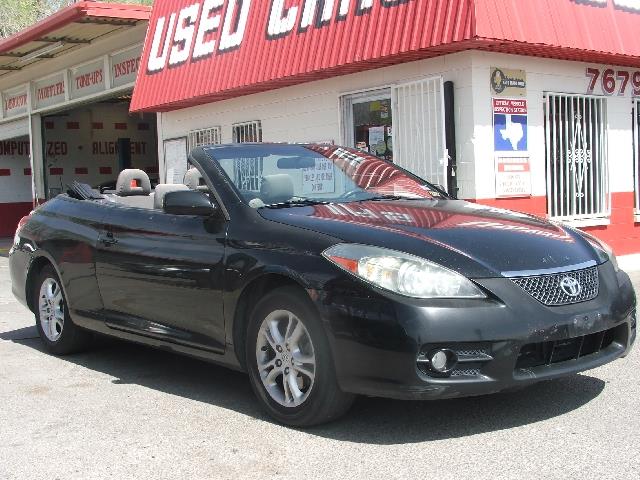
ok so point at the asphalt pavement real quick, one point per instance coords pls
(124, 411)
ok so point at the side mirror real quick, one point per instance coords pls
(189, 202)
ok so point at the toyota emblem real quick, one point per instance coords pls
(570, 286)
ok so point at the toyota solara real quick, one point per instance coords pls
(324, 273)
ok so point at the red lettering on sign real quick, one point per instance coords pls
(82, 170)
(50, 91)
(15, 102)
(89, 79)
(27, 171)
(5, 172)
(126, 67)
(73, 126)
(56, 171)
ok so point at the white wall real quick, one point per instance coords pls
(311, 112)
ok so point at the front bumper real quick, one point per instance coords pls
(508, 340)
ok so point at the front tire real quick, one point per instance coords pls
(289, 361)
(58, 333)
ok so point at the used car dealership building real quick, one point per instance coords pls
(531, 106)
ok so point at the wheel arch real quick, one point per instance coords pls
(250, 295)
(36, 266)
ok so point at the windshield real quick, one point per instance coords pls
(273, 175)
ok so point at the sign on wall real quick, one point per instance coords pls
(505, 82)
(87, 79)
(49, 91)
(513, 177)
(124, 66)
(15, 102)
(175, 159)
(510, 125)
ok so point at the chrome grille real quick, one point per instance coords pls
(467, 372)
(546, 288)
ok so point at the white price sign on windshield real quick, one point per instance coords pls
(320, 178)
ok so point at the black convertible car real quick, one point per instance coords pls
(323, 272)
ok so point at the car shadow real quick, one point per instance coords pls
(371, 420)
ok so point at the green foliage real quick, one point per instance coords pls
(15, 15)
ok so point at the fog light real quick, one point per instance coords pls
(439, 361)
(442, 360)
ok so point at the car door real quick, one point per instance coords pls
(161, 275)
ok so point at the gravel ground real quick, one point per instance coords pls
(123, 411)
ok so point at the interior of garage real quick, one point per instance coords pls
(92, 143)
(15, 182)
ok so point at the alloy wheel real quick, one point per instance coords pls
(52, 309)
(286, 358)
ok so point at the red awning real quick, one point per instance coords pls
(201, 52)
(73, 26)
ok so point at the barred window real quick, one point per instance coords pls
(576, 158)
(248, 171)
(247, 132)
(206, 136)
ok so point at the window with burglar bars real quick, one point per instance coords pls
(248, 171)
(206, 136)
(247, 132)
(636, 136)
(576, 146)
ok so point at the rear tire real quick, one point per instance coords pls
(289, 361)
(58, 333)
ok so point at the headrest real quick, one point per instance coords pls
(193, 179)
(162, 189)
(276, 188)
(132, 182)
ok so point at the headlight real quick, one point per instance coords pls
(401, 273)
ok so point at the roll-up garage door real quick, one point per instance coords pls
(17, 128)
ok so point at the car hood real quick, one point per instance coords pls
(476, 240)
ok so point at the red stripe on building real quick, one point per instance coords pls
(120, 126)
(27, 171)
(5, 172)
(56, 171)
(49, 125)
(10, 215)
(97, 125)
(82, 170)
(105, 170)
(73, 125)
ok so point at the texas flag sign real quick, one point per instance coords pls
(510, 125)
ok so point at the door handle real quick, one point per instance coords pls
(108, 239)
